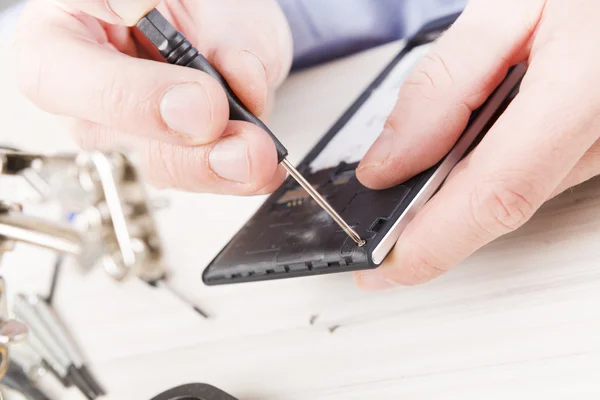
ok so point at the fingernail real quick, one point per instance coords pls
(373, 281)
(380, 150)
(229, 159)
(187, 111)
(131, 11)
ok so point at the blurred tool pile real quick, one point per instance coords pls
(104, 218)
(48, 347)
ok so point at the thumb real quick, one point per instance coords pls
(121, 12)
(456, 77)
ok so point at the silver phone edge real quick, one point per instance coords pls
(437, 179)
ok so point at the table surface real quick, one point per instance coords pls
(520, 317)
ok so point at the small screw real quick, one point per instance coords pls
(15, 207)
(334, 328)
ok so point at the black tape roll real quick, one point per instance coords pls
(194, 391)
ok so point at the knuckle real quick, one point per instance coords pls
(163, 166)
(122, 105)
(430, 74)
(424, 267)
(179, 167)
(275, 44)
(418, 265)
(272, 65)
(113, 100)
(499, 206)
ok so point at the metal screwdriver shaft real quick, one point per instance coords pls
(322, 202)
(177, 50)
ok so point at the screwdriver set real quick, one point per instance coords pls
(49, 347)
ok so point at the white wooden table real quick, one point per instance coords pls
(520, 318)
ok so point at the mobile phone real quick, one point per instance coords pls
(291, 236)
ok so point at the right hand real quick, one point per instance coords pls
(81, 60)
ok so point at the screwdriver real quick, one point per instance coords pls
(177, 50)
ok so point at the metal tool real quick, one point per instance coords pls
(11, 331)
(58, 349)
(177, 50)
(113, 224)
(17, 378)
(58, 263)
(9, 393)
(165, 284)
(26, 313)
(30, 361)
(49, 361)
(46, 316)
(58, 332)
(323, 203)
(112, 227)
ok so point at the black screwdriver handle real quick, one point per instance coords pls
(177, 50)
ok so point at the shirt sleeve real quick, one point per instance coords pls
(328, 29)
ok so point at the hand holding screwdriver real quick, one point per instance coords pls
(177, 50)
(182, 122)
(97, 73)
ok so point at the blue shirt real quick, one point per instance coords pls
(327, 29)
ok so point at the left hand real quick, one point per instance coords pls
(545, 142)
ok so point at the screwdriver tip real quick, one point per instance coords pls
(323, 203)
